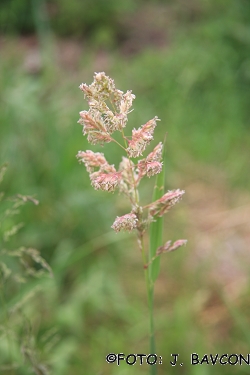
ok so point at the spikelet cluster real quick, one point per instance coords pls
(108, 113)
(108, 109)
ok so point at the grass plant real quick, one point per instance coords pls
(108, 113)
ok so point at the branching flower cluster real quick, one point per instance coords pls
(107, 114)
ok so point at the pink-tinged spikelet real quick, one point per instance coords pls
(91, 160)
(100, 89)
(152, 164)
(107, 103)
(129, 178)
(105, 181)
(94, 127)
(167, 247)
(127, 222)
(126, 103)
(141, 138)
(168, 200)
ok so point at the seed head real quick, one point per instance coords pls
(108, 112)
(127, 222)
(100, 89)
(105, 181)
(126, 102)
(108, 104)
(94, 127)
(92, 160)
(152, 164)
(168, 247)
(141, 138)
(168, 200)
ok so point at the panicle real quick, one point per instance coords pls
(152, 164)
(168, 200)
(108, 112)
(126, 222)
(141, 138)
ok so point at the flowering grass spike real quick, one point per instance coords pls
(108, 113)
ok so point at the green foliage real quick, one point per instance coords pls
(200, 86)
(16, 16)
(17, 269)
(88, 17)
(78, 18)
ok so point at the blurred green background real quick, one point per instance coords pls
(188, 62)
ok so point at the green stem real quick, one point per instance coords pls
(114, 140)
(147, 272)
(153, 368)
(150, 295)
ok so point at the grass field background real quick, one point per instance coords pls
(190, 66)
